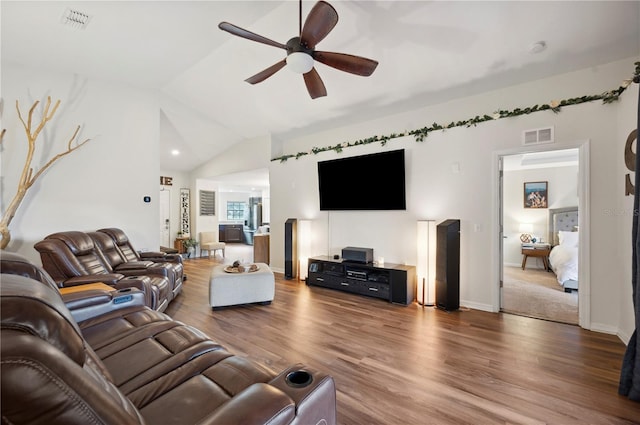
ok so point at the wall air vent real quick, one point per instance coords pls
(75, 19)
(207, 202)
(537, 136)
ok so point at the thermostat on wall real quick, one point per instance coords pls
(147, 199)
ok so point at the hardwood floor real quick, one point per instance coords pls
(408, 365)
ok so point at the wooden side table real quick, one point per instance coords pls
(536, 252)
(179, 245)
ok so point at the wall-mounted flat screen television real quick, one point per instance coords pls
(366, 182)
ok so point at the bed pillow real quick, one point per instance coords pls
(568, 238)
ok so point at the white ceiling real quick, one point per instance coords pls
(244, 181)
(429, 52)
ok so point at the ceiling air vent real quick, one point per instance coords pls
(75, 19)
(537, 136)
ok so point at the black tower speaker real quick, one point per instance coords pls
(290, 248)
(448, 265)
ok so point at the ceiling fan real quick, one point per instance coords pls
(301, 52)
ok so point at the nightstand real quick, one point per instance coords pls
(540, 251)
(179, 244)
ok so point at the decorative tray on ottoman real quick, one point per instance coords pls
(242, 269)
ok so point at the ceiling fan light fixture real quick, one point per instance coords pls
(302, 53)
(300, 62)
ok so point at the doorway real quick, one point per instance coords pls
(165, 217)
(529, 283)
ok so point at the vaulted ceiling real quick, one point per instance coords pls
(428, 52)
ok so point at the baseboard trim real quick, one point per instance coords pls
(606, 329)
(624, 337)
(477, 306)
(611, 330)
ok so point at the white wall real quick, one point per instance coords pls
(622, 213)
(252, 154)
(436, 191)
(266, 205)
(562, 192)
(100, 185)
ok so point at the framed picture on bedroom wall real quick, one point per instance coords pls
(535, 195)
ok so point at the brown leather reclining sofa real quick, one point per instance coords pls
(128, 254)
(134, 365)
(75, 258)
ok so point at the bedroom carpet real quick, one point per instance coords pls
(536, 293)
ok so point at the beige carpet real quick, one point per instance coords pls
(536, 293)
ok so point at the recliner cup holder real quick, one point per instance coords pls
(298, 378)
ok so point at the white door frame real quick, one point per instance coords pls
(584, 222)
(164, 202)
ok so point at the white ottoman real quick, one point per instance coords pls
(227, 289)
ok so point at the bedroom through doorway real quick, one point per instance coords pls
(539, 202)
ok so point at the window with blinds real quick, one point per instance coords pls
(207, 202)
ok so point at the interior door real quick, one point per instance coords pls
(165, 217)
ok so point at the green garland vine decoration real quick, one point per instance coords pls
(421, 134)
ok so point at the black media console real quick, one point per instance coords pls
(395, 283)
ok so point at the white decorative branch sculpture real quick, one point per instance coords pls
(28, 178)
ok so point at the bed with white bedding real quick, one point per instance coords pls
(564, 238)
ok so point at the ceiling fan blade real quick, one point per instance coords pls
(320, 21)
(348, 63)
(263, 75)
(314, 83)
(240, 32)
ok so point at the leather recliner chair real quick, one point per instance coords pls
(137, 366)
(129, 253)
(12, 263)
(71, 258)
(84, 301)
(120, 264)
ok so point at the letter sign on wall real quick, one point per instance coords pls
(166, 181)
(630, 161)
(185, 210)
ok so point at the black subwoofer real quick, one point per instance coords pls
(290, 248)
(448, 265)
